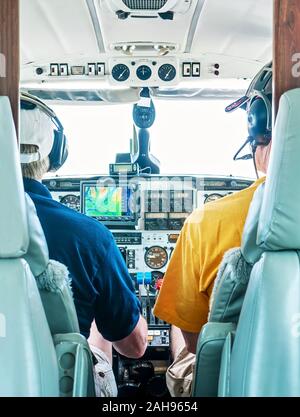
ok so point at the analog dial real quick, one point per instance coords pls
(144, 72)
(71, 201)
(167, 72)
(120, 72)
(212, 197)
(156, 257)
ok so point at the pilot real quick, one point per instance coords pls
(206, 236)
(102, 287)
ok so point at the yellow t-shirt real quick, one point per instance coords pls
(206, 236)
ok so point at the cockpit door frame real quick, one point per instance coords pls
(286, 49)
(10, 54)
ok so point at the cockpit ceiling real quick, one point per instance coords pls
(238, 28)
(237, 31)
(52, 29)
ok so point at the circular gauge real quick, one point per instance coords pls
(71, 201)
(120, 72)
(144, 72)
(212, 197)
(167, 72)
(156, 282)
(156, 257)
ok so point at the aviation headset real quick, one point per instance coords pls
(258, 104)
(59, 152)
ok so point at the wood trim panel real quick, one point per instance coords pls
(10, 54)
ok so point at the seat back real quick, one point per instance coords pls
(265, 356)
(73, 353)
(52, 279)
(28, 362)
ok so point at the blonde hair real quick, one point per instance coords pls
(34, 170)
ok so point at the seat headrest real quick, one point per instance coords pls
(37, 255)
(13, 220)
(279, 223)
(250, 250)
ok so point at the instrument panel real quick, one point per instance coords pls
(147, 247)
(133, 67)
(164, 205)
(154, 220)
(146, 255)
(162, 209)
(144, 72)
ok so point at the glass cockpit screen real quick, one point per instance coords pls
(106, 202)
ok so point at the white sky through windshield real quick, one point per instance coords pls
(188, 137)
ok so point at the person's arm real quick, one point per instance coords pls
(97, 340)
(181, 339)
(191, 340)
(134, 345)
(177, 342)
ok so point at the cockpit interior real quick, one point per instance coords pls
(139, 88)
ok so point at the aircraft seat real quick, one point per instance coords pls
(262, 356)
(28, 362)
(52, 279)
(74, 357)
(42, 352)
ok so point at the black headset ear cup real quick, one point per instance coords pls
(258, 118)
(59, 152)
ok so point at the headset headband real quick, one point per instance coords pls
(47, 110)
(59, 151)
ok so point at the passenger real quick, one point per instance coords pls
(102, 287)
(207, 235)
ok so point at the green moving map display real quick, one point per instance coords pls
(103, 201)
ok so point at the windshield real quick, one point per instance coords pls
(188, 137)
